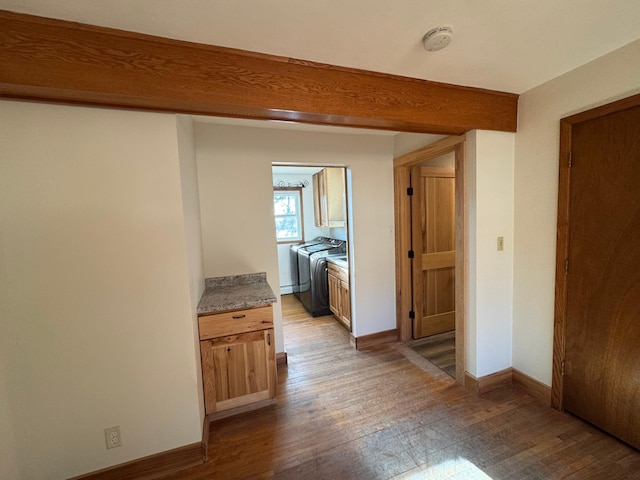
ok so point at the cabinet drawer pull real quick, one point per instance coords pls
(239, 316)
(269, 339)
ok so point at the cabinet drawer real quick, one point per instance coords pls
(336, 271)
(239, 321)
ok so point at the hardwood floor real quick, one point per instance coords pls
(438, 349)
(387, 413)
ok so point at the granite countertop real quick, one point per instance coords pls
(235, 292)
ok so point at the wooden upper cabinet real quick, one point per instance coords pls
(329, 191)
(317, 220)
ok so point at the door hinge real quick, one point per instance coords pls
(412, 314)
(566, 266)
(570, 160)
(411, 254)
(562, 367)
(410, 191)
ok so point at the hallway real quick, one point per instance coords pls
(388, 413)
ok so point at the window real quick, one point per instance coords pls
(287, 207)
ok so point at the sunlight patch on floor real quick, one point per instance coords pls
(450, 469)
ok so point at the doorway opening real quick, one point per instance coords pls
(433, 269)
(312, 223)
(431, 259)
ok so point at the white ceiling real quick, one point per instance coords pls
(506, 45)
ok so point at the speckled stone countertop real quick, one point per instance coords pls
(235, 292)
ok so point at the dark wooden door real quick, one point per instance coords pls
(433, 238)
(602, 346)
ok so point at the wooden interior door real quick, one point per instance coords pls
(601, 381)
(433, 241)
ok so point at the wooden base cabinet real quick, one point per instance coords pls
(339, 298)
(238, 368)
(334, 294)
(345, 305)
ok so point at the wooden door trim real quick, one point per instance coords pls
(433, 150)
(401, 171)
(417, 246)
(402, 219)
(562, 245)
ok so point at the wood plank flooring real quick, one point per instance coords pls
(387, 413)
(438, 349)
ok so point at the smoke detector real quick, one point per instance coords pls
(437, 38)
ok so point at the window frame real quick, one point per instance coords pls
(300, 215)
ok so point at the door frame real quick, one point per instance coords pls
(402, 215)
(562, 245)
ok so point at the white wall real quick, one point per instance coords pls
(604, 80)
(193, 234)
(408, 142)
(489, 166)
(96, 317)
(10, 455)
(234, 166)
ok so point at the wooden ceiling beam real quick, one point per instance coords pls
(58, 61)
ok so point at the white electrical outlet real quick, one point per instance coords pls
(500, 244)
(113, 437)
